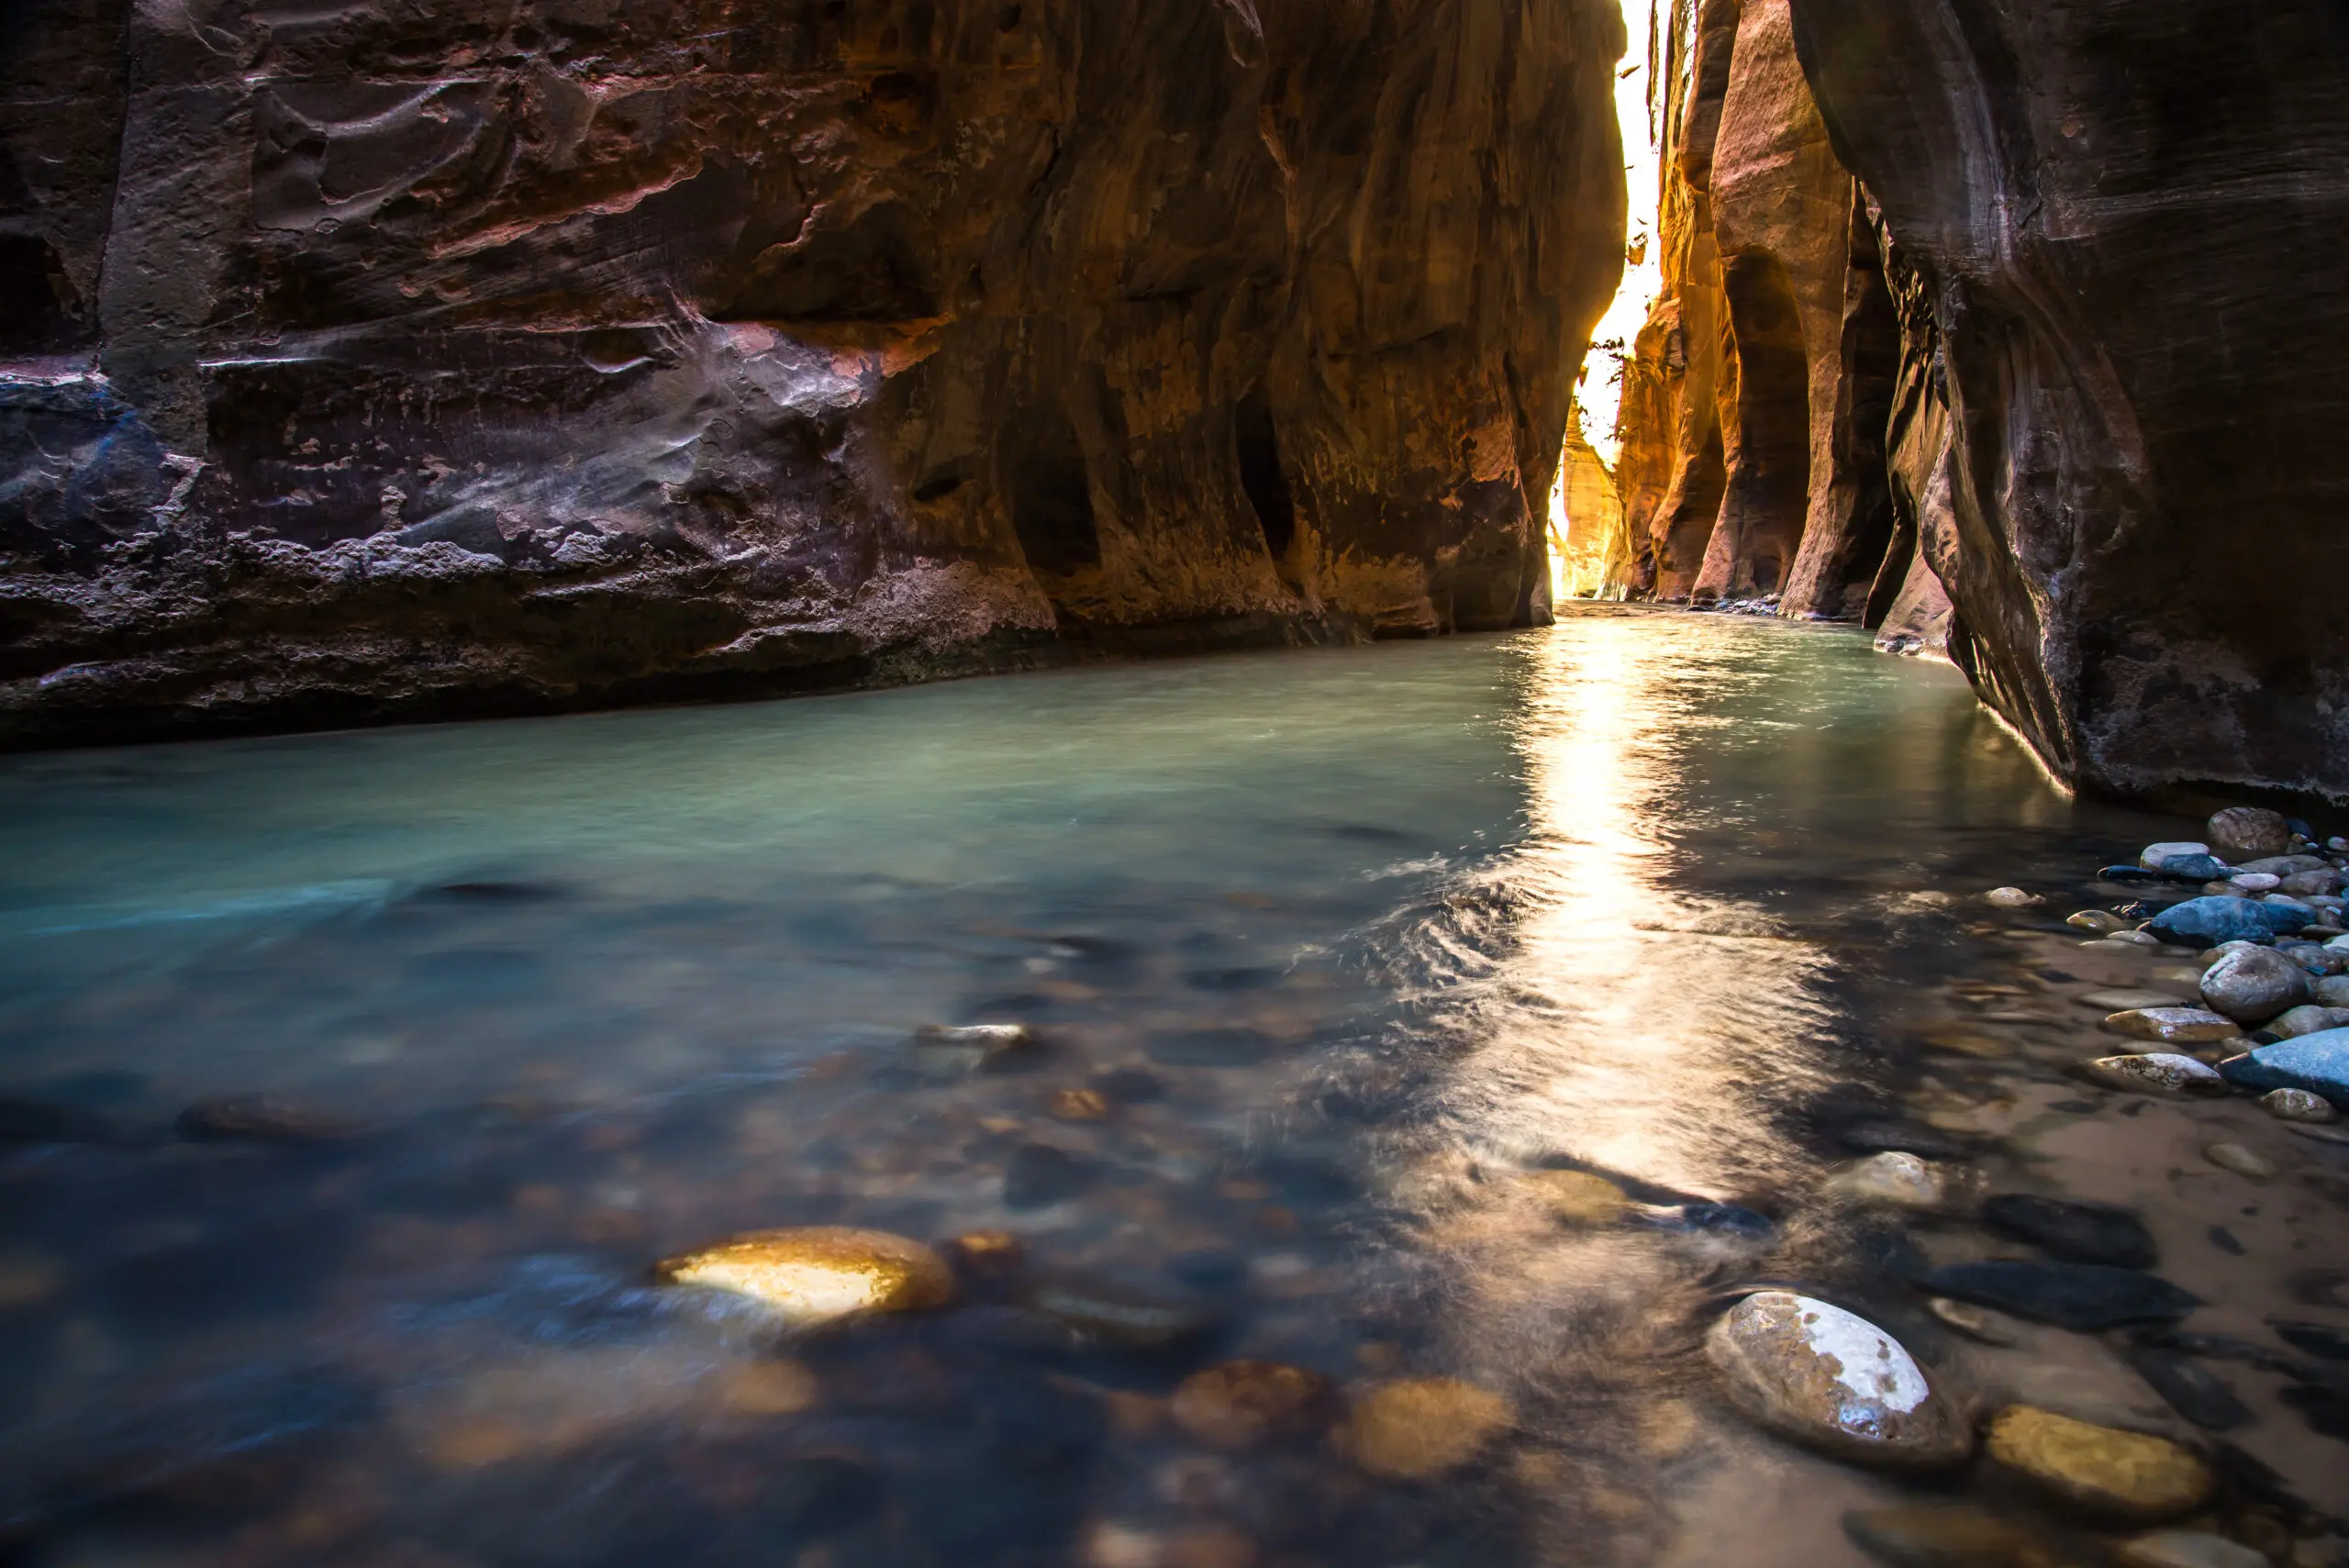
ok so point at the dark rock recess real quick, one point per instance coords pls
(367, 360)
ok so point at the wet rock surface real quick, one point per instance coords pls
(1827, 1377)
(2083, 1296)
(448, 361)
(2125, 1474)
(2075, 1232)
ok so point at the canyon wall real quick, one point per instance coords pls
(1756, 396)
(2126, 226)
(2017, 330)
(378, 360)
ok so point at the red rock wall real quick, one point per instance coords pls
(385, 359)
(1756, 406)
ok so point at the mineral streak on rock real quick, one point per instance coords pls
(360, 361)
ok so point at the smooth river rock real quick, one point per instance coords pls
(2156, 1072)
(2087, 1297)
(1239, 1405)
(2076, 1232)
(1416, 1429)
(1895, 1179)
(2298, 1105)
(2317, 1063)
(1830, 1379)
(2173, 1026)
(2249, 832)
(1948, 1535)
(2308, 1019)
(2252, 985)
(2153, 855)
(2204, 922)
(818, 1274)
(2124, 1475)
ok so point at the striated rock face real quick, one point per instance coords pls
(1757, 398)
(2125, 230)
(371, 359)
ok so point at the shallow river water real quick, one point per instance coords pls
(1333, 960)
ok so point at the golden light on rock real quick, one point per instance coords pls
(818, 1274)
(2123, 1474)
(1578, 1198)
(1417, 1428)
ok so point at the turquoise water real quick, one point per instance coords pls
(1348, 944)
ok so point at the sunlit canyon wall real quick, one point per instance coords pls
(2017, 329)
(375, 360)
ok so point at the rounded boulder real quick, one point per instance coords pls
(1835, 1382)
(2248, 833)
(2254, 985)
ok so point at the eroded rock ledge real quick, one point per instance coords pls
(372, 361)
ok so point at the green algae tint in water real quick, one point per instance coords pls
(1354, 951)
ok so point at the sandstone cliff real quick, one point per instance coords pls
(375, 360)
(2126, 225)
(1755, 405)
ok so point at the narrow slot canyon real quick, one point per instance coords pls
(1173, 784)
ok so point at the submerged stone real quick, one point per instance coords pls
(2081, 1296)
(2012, 898)
(1974, 1322)
(1119, 1314)
(2243, 1162)
(2318, 1062)
(1896, 1179)
(1578, 1198)
(1833, 1380)
(2193, 1390)
(2318, 1340)
(1946, 1535)
(2128, 1476)
(2124, 1001)
(1419, 1428)
(818, 1274)
(1242, 1403)
(2076, 1232)
(2188, 1549)
(2298, 1105)
(974, 1048)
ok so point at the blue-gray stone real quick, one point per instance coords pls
(2192, 868)
(2318, 1062)
(2206, 922)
